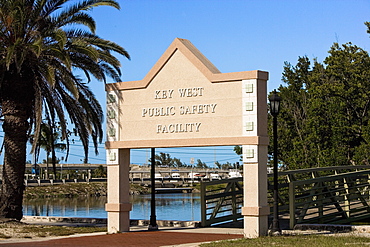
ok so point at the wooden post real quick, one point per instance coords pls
(291, 205)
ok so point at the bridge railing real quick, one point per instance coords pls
(333, 195)
(334, 199)
(286, 177)
(221, 201)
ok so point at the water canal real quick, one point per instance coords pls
(179, 206)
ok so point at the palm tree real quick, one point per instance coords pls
(163, 159)
(44, 45)
(48, 140)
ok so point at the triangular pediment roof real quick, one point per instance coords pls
(197, 59)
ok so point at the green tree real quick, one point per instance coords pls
(44, 45)
(49, 160)
(324, 118)
(48, 140)
(164, 159)
(178, 163)
(349, 86)
(100, 172)
(239, 151)
(227, 166)
(218, 165)
(293, 115)
(201, 164)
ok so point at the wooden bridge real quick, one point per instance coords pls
(329, 195)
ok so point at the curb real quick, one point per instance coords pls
(333, 228)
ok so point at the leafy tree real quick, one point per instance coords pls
(201, 164)
(218, 165)
(348, 71)
(293, 114)
(177, 163)
(163, 159)
(44, 44)
(239, 151)
(227, 165)
(49, 160)
(72, 174)
(100, 172)
(324, 118)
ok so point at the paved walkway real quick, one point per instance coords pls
(172, 236)
(138, 236)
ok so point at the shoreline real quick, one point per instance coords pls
(92, 189)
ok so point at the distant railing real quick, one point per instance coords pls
(39, 182)
(221, 201)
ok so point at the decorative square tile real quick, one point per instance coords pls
(249, 88)
(112, 132)
(111, 98)
(249, 126)
(249, 106)
(249, 153)
(112, 156)
(111, 114)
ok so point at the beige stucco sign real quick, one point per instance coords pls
(185, 101)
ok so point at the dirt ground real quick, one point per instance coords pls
(17, 230)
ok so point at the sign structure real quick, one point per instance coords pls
(185, 101)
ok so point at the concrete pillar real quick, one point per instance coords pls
(118, 205)
(256, 208)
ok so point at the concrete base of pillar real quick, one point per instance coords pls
(118, 222)
(255, 227)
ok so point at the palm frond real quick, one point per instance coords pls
(42, 40)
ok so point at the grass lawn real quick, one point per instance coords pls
(299, 240)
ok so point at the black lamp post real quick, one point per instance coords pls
(274, 111)
(153, 219)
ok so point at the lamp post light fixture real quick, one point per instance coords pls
(274, 111)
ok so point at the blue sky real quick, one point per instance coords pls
(235, 35)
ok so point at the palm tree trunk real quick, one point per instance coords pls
(16, 109)
(47, 166)
(13, 170)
